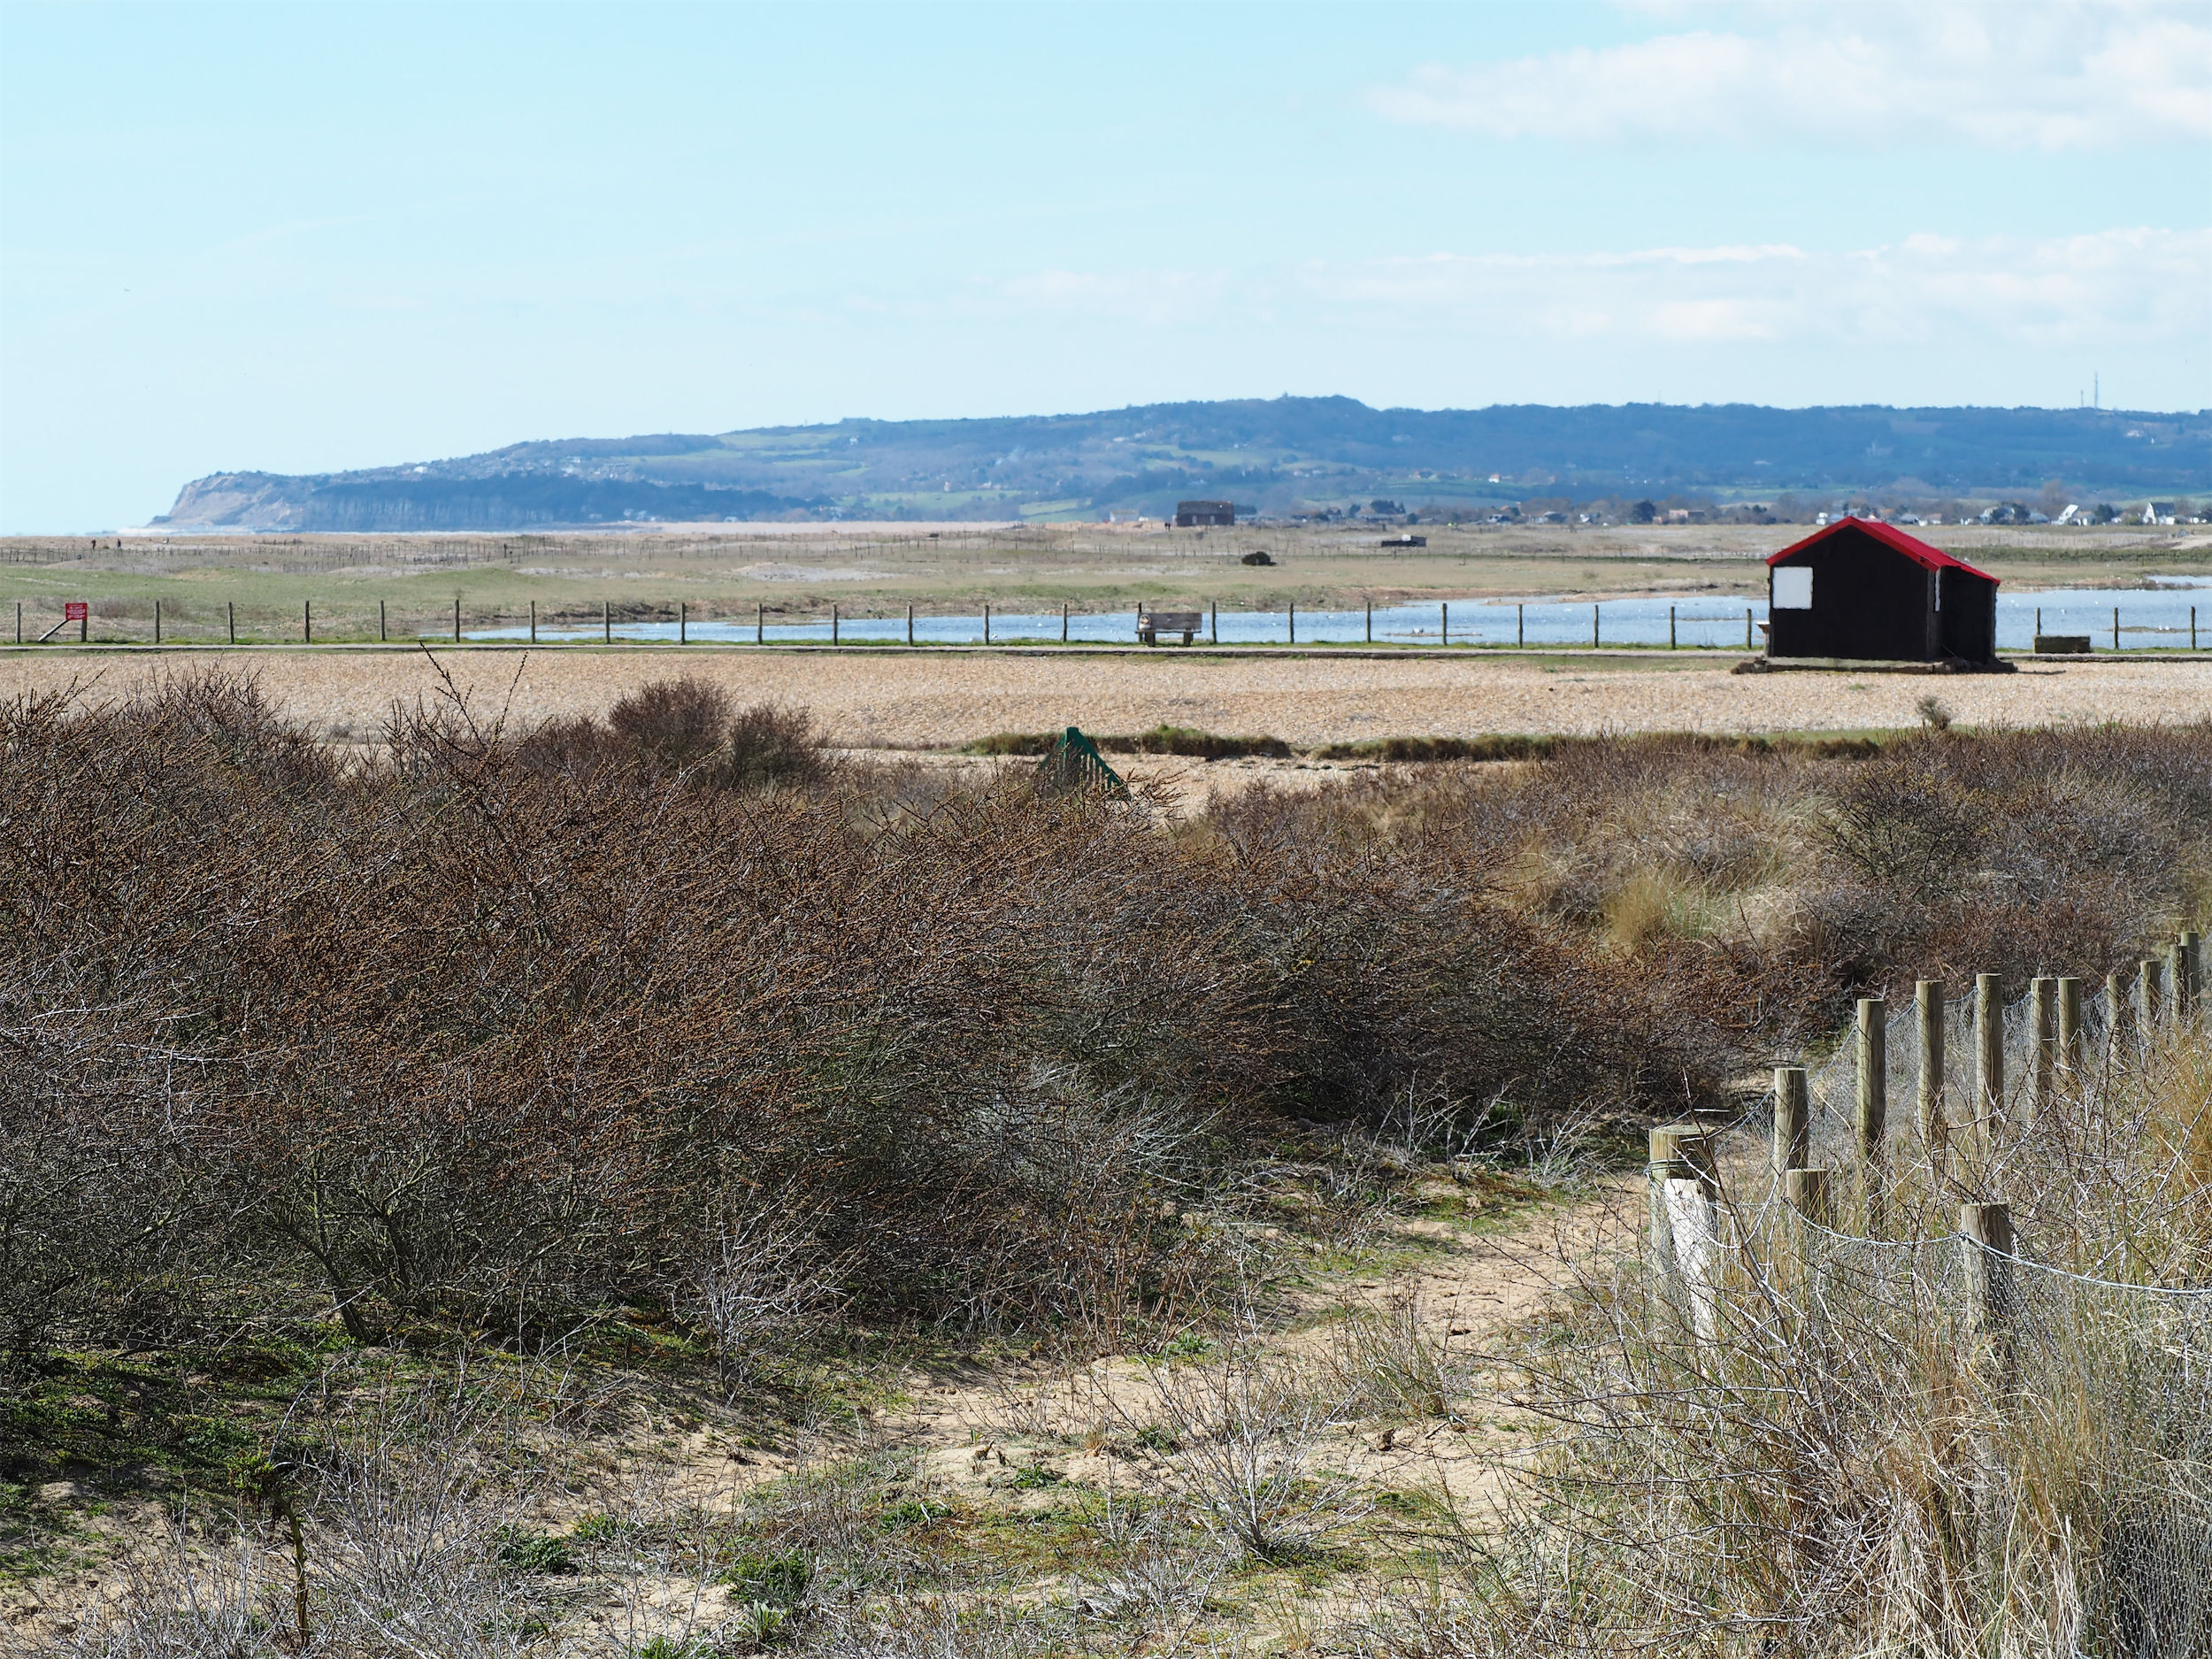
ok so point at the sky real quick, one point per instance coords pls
(316, 235)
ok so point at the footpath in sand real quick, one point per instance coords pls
(876, 700)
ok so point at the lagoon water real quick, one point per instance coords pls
(2148, 617)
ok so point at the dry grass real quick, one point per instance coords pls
(1827, 1457)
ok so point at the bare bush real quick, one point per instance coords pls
(681, 721)
(1240, 1432)
(1390, 1358)
(766, 1286)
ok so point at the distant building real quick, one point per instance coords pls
(1863, 591)
(1189, 514)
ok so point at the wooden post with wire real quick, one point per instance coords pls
(1986, 1243)
(1872, 1116)
(1934, 1112)
(1989, 1051)
(1805, 1191)
(2150, 996)
(2118, 998)
(2043, 1011)
(1683, 1228)
(1792, 1120)
(2069, 1031)
(1986, 1233)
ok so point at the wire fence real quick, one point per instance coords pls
(2053, 1354)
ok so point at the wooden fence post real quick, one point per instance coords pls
(2069, 1031)
(2177, 998)
(683, 622)
(1986, 1233)
(456, 620)
(2043, 1014)
(382, 632)
(1934, 1113)
(1989, 1051)
(307, 622)
(1806, 1190)
(230, 612)
(533, 622)
(1873, 1105)
(2117, 998)
(1986, 1247)
(2190, 953)
(1370, 622)
(156, 622)
(1684, 1230)
(1063, 621)
(606, 622)
(1792, 1120)
(2150, 996)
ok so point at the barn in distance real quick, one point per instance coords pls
(1862, 591)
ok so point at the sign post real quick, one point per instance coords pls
(79, 612)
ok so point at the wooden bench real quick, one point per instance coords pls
(1152, 624)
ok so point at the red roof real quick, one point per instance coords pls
(1919, 552)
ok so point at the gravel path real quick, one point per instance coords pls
(879, 700)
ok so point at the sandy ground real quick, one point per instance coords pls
(877, 699)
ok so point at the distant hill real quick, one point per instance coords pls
(1282, 455)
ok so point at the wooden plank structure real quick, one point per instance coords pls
(1190, 514)
(1152, 624)
(1074, 763)
(1860, 590)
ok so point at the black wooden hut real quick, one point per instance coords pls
(1860, 590)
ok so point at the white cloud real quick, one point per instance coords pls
(2015, 74)
(2139, 287)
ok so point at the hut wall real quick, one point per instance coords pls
(1870, 602)
(1968, 617)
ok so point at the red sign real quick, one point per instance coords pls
(74, 610)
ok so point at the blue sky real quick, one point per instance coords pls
(309, 237)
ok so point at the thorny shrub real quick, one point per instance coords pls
(474, 1036)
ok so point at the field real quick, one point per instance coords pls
(946, 699)
(798, 573)
(517, 1153)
